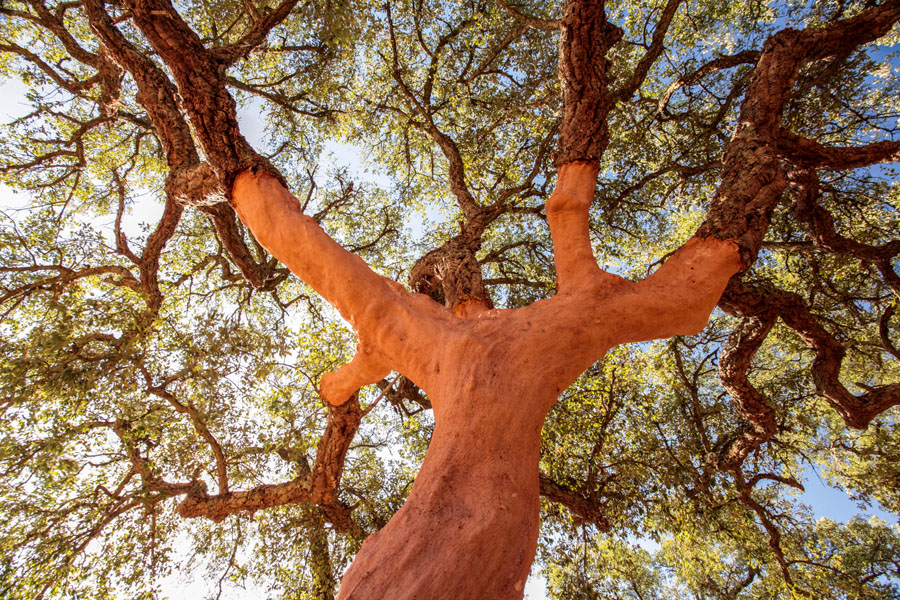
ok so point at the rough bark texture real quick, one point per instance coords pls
(754, 178)
(585, 38)
(857, 411)
(753, 406)
(212, 110)
(451, 275)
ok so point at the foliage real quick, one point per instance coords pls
(358, 101)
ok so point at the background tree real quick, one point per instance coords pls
(172, 370)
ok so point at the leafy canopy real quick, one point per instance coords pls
(129, 329)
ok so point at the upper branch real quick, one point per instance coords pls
(212, 110)
(810, 153)
(254, 36)
(456, 167)
(155, 91)
(55, 23)
(843, 36)
(585, 38)
(656, 47)
(753, 178)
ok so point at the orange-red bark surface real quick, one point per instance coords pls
(469, 527)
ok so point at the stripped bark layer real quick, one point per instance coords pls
(463, 495)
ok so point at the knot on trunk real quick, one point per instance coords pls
(451, 274)
(197, 185)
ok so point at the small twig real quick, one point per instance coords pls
(384, 392)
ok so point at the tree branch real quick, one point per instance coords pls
(826, 237)
(585, 38)
(212, 110)
(761, 301)
(629, 87)
(753, 178)
(319, 486)
(256, 35)
(530, 21)
(582, 506)
(717, 64)
(754, 407)
(808, 153)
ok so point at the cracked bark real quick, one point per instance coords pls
(190, 181)
(212, 110)
(585, 38)
(753, 406)
(753, 178)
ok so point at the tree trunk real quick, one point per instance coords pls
(469, 527)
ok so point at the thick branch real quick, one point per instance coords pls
(679, 296)
(753, 406)
(762, 301)
(753, 178)
(365, 368)
(677, 299)
(394, 325)
(190, 181)
(212, 110)
(451, 275)
(841, 37)
(319, 486)
(811, 154)
(155, 92)
(821, 224)
(584, 40)
(567, 214)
